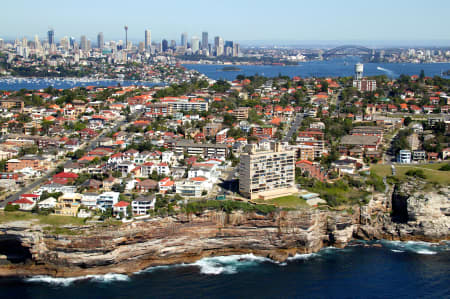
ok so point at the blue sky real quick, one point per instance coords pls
(244, 20)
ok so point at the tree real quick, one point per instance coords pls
(407, 121)
(422, 75)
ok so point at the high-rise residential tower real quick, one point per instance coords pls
(267, 173)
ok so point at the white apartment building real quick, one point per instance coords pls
(267, 174)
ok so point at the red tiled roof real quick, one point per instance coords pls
(121, 204)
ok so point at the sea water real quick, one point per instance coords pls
(395, 270)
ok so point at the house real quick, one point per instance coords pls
(345, 166)
(311, 169)
(446, 153)
(125, 167)
(68, 204)
(109, 182)
(89, 200)
(207, 170)
(92, 184)
(57, 187)
(404, 157)
(67, 176)
(166, 185)
(120, 209)
(48, 203)
(146, 185)
(142, 204)
(24, 204)
(193, 187)
(163, 169)
(107, 200)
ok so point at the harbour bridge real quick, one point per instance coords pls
(348, 50)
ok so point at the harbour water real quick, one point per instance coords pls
(396, 270)
(63, 83)
(329, 68)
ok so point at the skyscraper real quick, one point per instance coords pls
(51, 37)
(37, 43)
(148, 39)
(64, 42)
(184, 38)
(72, 41)
(204, 40)
(83, 43)
(218, 45)
(100, 40)
(165, 45)
(195, 44)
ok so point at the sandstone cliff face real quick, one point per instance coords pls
(135, 246)
(186, 238)
(416, 215)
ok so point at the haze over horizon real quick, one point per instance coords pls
(328, 22)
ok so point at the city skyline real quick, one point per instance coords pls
(245, 22)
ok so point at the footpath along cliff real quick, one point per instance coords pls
(27, 249)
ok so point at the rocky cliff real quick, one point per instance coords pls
(27, 250)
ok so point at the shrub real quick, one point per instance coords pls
(418, 173)
(11, 208)
(445, 167)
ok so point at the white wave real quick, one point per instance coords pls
(426, 252)
(390, 72)
(395, 250)
(417, 247)
(66, 281)
(305, 256)
(230, 264)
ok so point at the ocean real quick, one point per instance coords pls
(396, 270)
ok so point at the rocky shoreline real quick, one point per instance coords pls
(401, 214)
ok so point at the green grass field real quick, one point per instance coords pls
(433, 175)
(40, 219)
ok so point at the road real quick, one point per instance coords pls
(294, 127)
(89, 146)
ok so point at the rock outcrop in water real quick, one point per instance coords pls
(28, 250)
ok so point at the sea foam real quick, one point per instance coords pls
(66, 281)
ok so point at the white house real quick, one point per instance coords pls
(89, 200)
(404, 157)
(163, 169)
(142, 204)
(193, 187)
(24, 204)
(108, 200)
(167, 157)
(120, 207)
(207, 170)
(48, 203)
